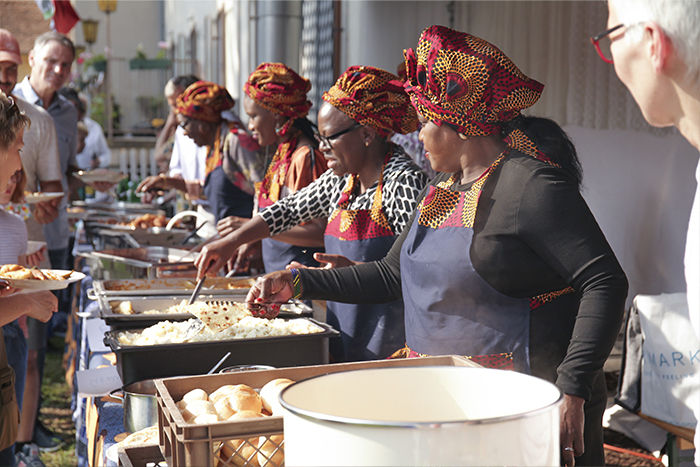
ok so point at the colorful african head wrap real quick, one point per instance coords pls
(279, 89)
(375, 98)
(204, 101)
(461, 80)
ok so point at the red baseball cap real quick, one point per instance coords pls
(9, 47)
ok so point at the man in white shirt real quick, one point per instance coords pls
(655, 47)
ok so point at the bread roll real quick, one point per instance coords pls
(220, 393)
(201, 408)
(270, 394)
(206, 419)
(146, 436)
(224, 409)
(270, 451)
(195, 395)
(244, 397)
(242, 452)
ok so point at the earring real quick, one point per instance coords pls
(366, 143)
(278, 130)
(463, 136)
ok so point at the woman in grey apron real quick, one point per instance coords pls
(368, 195)
(502, 261)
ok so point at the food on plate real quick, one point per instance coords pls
(168, 332)
(15, 271)
(270, 394)
(146, 436)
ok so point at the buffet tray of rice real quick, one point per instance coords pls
(176, 286)
(139, 311)
(159, 351)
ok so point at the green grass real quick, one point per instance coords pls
(56, 413)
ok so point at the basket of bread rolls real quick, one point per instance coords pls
(236, 418)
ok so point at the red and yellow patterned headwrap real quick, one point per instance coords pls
(375, 98)
(279, 89)
(466, 82)
(204, 101)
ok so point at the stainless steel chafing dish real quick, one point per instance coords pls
(137, 237)
(139, 304)
(172, 286)
(141, 263)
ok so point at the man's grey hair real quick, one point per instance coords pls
(53, 36)
(680, 20)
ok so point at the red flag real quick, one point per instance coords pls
(65, 17)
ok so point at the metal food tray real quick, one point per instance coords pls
(176, 286)
(120, 206)
(295, 309)
(141, 263)
(136, 363)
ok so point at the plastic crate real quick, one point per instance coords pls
(188, 445)
(141, 456)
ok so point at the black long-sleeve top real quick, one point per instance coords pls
(533, 234)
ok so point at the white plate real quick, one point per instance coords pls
(99, 175)
(34, 198)
(33, 284)
(111, 453)
(33, 247)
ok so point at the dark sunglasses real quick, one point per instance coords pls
(327, 139)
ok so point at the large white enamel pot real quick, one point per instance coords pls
(421, 416)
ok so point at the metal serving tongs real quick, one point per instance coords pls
(196, 326)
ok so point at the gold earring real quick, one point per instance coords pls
(366, 143)
(463, 136)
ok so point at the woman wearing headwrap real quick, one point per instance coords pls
(368, 195)
(233, 163)
(275, 100)
(503, 260)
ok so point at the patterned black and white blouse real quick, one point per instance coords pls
(403, 181)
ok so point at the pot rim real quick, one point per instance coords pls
(317, 416)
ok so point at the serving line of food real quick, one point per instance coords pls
(193, 379)
(137, 296)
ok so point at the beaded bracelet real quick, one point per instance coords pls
(296, 282)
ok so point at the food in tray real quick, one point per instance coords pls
(146, 436)
(168, 332)
(212, 283)
(212, 314)
(15, 271)
(238, 402)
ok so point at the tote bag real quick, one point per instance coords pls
(670, 370)
(9, 410)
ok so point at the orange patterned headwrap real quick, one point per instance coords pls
(204, 101)
(466, 82)
(279, 89)
(375, 98)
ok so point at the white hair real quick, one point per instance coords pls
(680, 20)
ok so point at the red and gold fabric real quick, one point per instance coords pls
(375, 98)
(205, 101)
(470, 85)
(291, 169)
(279, 89)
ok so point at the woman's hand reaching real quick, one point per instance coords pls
(332, 261)
(268, 292)
(230, 224)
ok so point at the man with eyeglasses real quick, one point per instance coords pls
(655, 48)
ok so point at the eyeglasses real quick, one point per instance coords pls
(602, 43)
(327, 139)
(183, 124)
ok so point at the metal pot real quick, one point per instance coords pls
(421, 416)
(140, 405)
